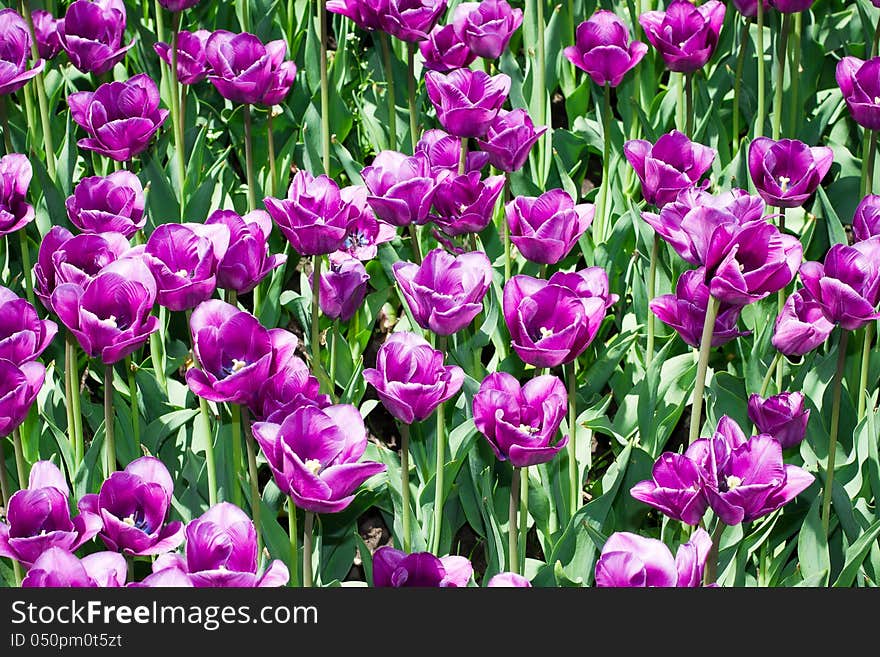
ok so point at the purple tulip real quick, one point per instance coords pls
(521, 422)
(410, 377)
(221, 552)
(445, 293)
(685, 311)
(111, 204)
(552, 322)
(315, 456)
(38, 518)
(465, 204)
(110, 316)
(444, 152)
(630, 560)
(367, 14)
(467, 101)
(184, 259)
(244, 70)
(46, 32)
(23, 335)
(486, 27)
(280, 83)
(675, 488)
(15, 52)
(791, 6)
(510, 139)
(866, 221)
(192, 62)
(544, 229)
(314, 217)
(401, 188)
(15, 178)
(343, 287)
(444, 51)
(673, 164)
(684, 35)
(847, 285)
(58, 568)
(749, 8)
(782, 416)
(411, 20)
(787, 172)
(247, 260)
(393, 568)
(178, 5)
(859, 81)
(19, 387)
(745, 479)
(509, 581)
(120, 117)
(234, 351)
(164, 578)
(91, 35)
(133, 504)
(63, 258)
(801, 326)
(603, 49)
(364, 232)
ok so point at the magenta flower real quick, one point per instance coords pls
(91, 35)
(521, 422)
(866, 221)
(15, 52)
(859, 81)
(38, 518)
(343, 287)
(364, 233)
(23, 335)
(782, 416)
(675, 488)
(410, 377)
(466, 101)
(46, 32)
(315, 456)
(15, 178)
(486, 27)
(393, 568)
(749, 8)
(58, 568)
(444, 51)
(546, 228)
(445, 293)
(791, 6)
(787, 172)
(367, 14)
(19, 387)
(673, 164)
(411, 20)
(401, 188)
(465, 204)
(192, 62)
(801, 326)
(509, 139)
(134, 504)
(509, 581)
(244, 70)
(178, 5)
(630, 560)
(247, 260)
(444, 152)
(111, 204)
(603, 49)
(684, 35)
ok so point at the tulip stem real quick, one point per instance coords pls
(40, 83)
(316, 314)
(413, 109)
(780, 75)
(835, 424)
(689, 103)
(414, 238)
(404, 485)
(768, 377)
(652, 291)
(762, 106)
(156, 353)
(308, 572)
(176, 115)
(245, 15)
(512, 532)
(863, 373)
(254, 477)
(795, 73)
(237, 460)
(131, 368)
(4, 480)
(20, 465)
(273, 171)
(76, 403)
(737, 83)
(333, 331)
(868, 159)
(160, 27)
(4, 122)
(294, 542)
(505, 227)
(249, 159)
(710, 572)
(210, 463)
(523, 518)
(441, 460)
(462, 156)
(109, 422)
(780, 305)
(702, 367)
(606, 156)
(574, 480)
(26, 267)
(325, 86)
(389, 91)
(68, 406)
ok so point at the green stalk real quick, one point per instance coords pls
(462, 157)
(865, 366)
(574, 481)
(710, 573)
(737, 83)
(16, 569)
(20, 465)
(4, 480)
(290, 23)
(512, 533)
(523, 518)
(31, 117)
(606, 156)
(689, 100)
(40, 83)
(835, 425)
(679, 108)
(795, 73)
(768, 377)
(325, 87)
(156, 356)
(652, 291)
(249, 159)
(308, 571)
(4, 122)
(411, 83)
(27, 268)
(208, 437)
(333, 330)
(273, 172)
(404, 486)
(109, 423)
(440, 462)
(245, 15)
(505, 227)
(780, 75)
(294, 542)
(237, 459)
(68, 406)
(316, 314)
(176, 116)
(133, 399)
(762, 107)
(389, 91)
(541, 69)
(414, 240)
(76, 402)
(702, 367)
(868, 158)
(252, 475)
(160, 26)
(875, 41)
(780, 304)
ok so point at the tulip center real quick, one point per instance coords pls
(529, 429)
(112, 321)
(784, 182)
(137, 520)
(733, 482)
(183, 273)
(877, 100)
(313, 466)
(238, 365)
(545, 332)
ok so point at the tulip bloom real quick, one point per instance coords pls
(314, 217)
(15, 178)
(685, 311)
(859, 81)
(791, 6)
(184, 259)
(46, 32)
(221, 552)
(544, 229)
(23, 335)
(411, 20)
(444, 152)
(111, 204)
(509, 581)
(552, 322)
(367, 14)
(58, 568)
(343, 287)
(445, 293)
(120, 117)
(247, 260)
(15, 52)
(393, 568)
(673, 164)
(684, 35)
(133, 504)
(178, 5)
(509, 139)
(866, 221)
(464, 204)
(801, 326)
(192, 61)
(630, 560)
(521, 422)
(782, 416)
(315, 456)
(91, 35)
(749, 8)
(466, 101)
(675, 488)
(444, 51)
(19, 387)
(787, 172)
(364, 232)
(410, 377)
(401, 188)
(486, 27)
(244, 70)
(603, 49)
